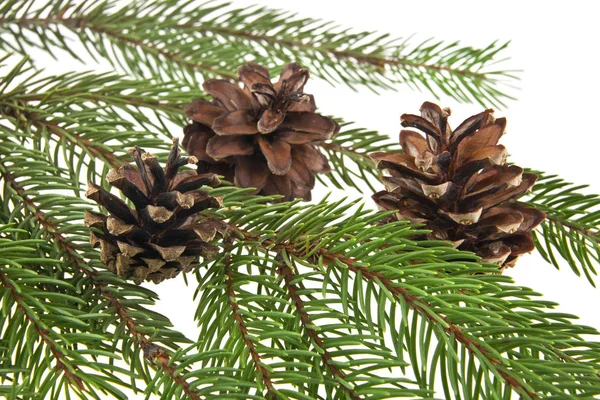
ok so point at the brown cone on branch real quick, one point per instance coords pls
(163, 235)
(264, 135)
(457, 183)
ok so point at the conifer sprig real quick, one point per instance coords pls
(103, 104)
(194, 40)
(402, 275)
(570, 230)
(30, 200)
(303, 301)
(406, 281)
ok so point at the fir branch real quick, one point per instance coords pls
(71, 253)
(62, 363)
(419, 305)
(152, 352)
(492, 331)
(348, 153)
(202, 40)
(427, 311)
(270, 313)
(309, 326)
(570, 230)
(72, 123)
(239, 318)
(55, 316)
(41, 104)
(71, 137)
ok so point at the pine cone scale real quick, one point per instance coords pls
(278, 154)
(202, 111)
(293, 137)
(311, 123)
(220, 147)
(239, 122)
(251, 172)
(229, 96)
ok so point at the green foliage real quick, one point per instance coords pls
(109, 114)
(89, 316)
(78, 119)
(188, 41)
(304, 301)
(341, 296)
(570, 230)
(348, 153)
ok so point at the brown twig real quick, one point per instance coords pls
(377, 60)
(307, 323)
(264, 373)
(62, 363)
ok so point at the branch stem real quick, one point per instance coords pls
(572, 226)
(117, 35)
(62, 363)
(73, 138)
(379, 61)
(237, 315)
(307, 324)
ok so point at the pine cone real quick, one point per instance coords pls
(163, 235)
(262, 136)
(458, 184)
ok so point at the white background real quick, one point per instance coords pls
(551, 126)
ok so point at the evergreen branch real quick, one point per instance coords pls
(88, 112)
(71, 137)
(238, 316)
(70, 252)
(427, 311)
(106, 90)
(414, 302)
(152, 352)
(43, 99)
(570, 230)
(57, 95)
(259, 331)
(309, 326)
(55, 316)
(270, 314)
(202, 40)
(62, 363)
(493, 331)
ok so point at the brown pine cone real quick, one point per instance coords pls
(264, 135)
(163, 235)
(457, 183)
